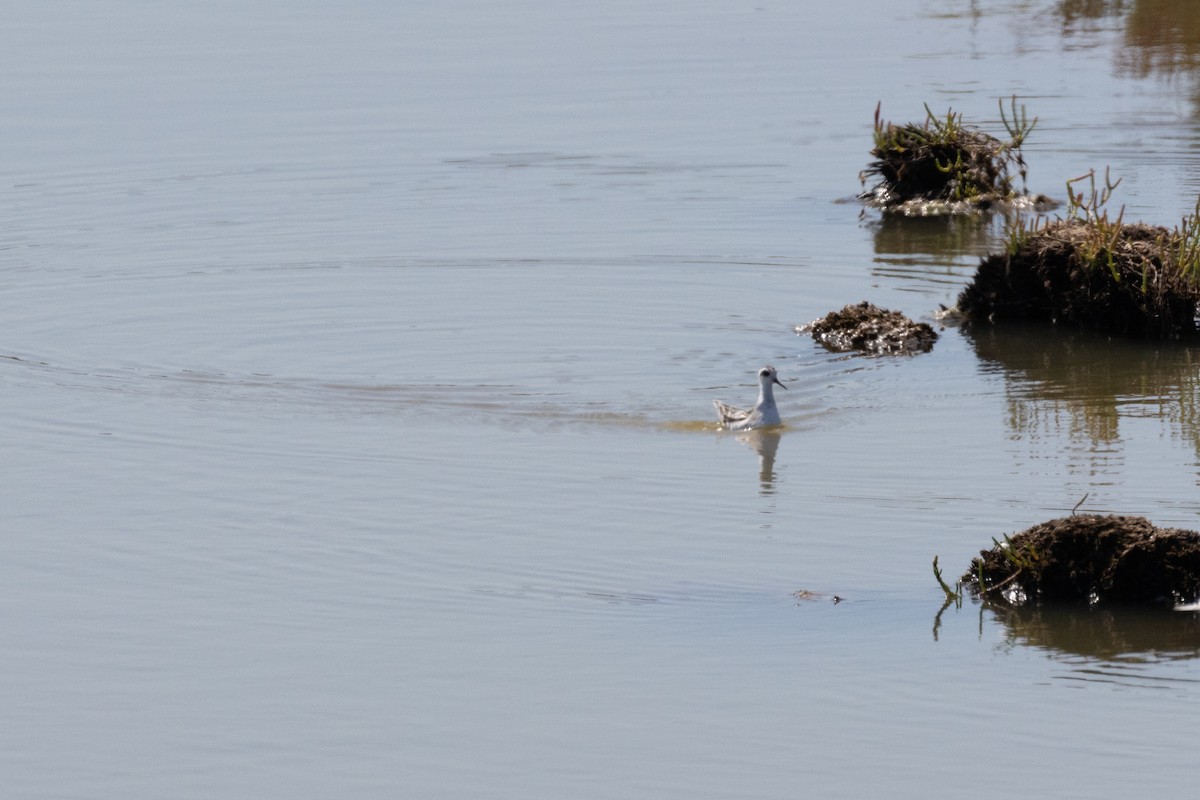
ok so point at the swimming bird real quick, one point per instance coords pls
(764, 412)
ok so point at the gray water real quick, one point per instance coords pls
(357, 361)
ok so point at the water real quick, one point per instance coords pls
(358, 365)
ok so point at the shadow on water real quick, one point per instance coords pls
(1113, 644)
(952, 240)
(1082, 385)
(1161, 37)
(937, 253)
(1107, 645)
(1157, 37)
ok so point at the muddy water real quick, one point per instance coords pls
(358, 364)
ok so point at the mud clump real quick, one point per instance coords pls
(1091, 559)
(870, 329)
(1122, 279)
(942, 165)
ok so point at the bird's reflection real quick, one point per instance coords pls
(765, 442)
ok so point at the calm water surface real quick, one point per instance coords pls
(358, 365)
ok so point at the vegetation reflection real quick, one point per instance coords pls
(1081, 384)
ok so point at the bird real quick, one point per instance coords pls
(764, 412)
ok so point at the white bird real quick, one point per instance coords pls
(764, 412)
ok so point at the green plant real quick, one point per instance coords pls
(1186, 246)
(1020, 556)
(1019, 229)
(952, 595)
(1088, 207)
(1100, 246)
(1018, 127)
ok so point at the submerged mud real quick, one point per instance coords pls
(1091, 559)
(991, 202)
(867, 328)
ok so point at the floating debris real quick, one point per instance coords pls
(1091, 559)
(805, 596)
(942, 166)
(870, 329)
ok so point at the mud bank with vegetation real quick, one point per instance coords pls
(943, 166)
(1093, 271)
(1090, 559)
